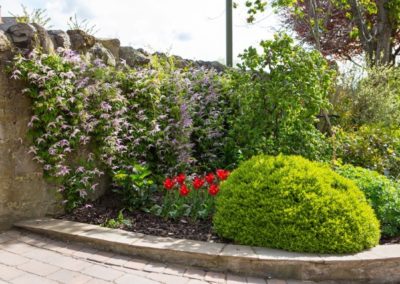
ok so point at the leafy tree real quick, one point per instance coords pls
(343, 28)
(277, 96)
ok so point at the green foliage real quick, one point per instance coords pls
(370, 146)
(383, 194)
(288, 202)
(135, 187)
(371, 99)
(276, 97)
(37, 16)
(166, 118)
(117, 223)
(76, 24)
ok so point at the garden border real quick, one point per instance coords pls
(377, 265)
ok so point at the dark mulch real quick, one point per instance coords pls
(107, 208)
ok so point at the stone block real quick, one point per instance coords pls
(112, 44)
(60, 38)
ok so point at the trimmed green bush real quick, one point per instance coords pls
(290, 203)
(383, 194)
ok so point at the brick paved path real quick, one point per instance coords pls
(32, 259)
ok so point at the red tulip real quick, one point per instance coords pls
(180, 178)
(222, 174)
(169, 183)
(213, 190)
(198, 182)
(183, 191)
(210, 178)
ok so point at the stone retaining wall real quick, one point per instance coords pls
(23, 191)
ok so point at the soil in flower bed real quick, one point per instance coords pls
(108, 207)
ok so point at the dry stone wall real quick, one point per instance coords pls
(24, 193)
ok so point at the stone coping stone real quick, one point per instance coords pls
(380, 264)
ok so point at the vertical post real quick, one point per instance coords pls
(229, 41)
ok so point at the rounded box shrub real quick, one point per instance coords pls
(290, 203)
(383, 194)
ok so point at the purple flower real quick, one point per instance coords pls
(105, 106)
(82, 193)
(63, 170)
(80, 170)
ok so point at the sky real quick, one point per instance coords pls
(193, 29)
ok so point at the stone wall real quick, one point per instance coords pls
(24, 193)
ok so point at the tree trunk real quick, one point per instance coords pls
(384, 31)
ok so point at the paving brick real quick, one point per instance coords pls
(102, 272)
(215, 277)
(9, 258)
(165, 278)
(234, 279)
(69, 249)
(54, 245)
(32, 279)
(137, 264)
(41, 254)
(276, 281)
(4, 238)
(69, 263)
(175, 270)
(85, 252)
(155, 267)
(194, 273)
(69, 277)
(255, 280)
(8, 272)
(197, 281)
(98, 281)
(118, 260)
(39, 268)
(131, 279)
(101, 256)
(140, 273)
(33, 240)
(13, 234)
(18, 247)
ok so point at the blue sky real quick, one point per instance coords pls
(190, 28)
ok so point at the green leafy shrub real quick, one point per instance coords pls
(288, 202)
(370, 146)
(134, 187)
(383, 194)
(277, 96)
(370, 98)
(118, 222)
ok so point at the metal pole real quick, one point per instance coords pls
(229, 42)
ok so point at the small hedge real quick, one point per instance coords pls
(290, 203)
(383, 194)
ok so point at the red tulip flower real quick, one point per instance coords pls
(180, 178)
(213, 190)
(183, 191)
(198, 182)
(210, 178)
(222, 174)
(169, 183)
